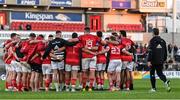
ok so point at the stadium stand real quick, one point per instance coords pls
(127, 27)
(44, 26)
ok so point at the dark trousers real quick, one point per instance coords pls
(158, 68)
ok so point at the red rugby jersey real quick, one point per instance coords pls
(73, 54)
(89, 40)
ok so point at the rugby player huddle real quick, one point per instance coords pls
(35, 62)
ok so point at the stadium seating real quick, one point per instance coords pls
(45, 26)
(127, 27)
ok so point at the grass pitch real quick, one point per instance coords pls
(141, 91)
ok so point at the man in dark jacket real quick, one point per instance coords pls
(157, 57)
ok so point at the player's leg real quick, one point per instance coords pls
(102, 75)
(130, 67)
(32, 83)
(159, 69)
(19, 76)
(152, 78)
(74, 74)
(38, 78)
(68, 69)
(127, 75)
(118, 74)
(92, 68)
(14, 75)
(98, 77)
(8, 77)
(85, 64)
(80, 80)
(110, 71)
(46, 68)
(61, 75)
(123, 76)
(55, 75)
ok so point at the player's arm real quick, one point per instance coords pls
(127, 52)
(36, 41)
(88, 51)
(105, 50)
(34, 56)
(62, 48)
(9, 44)
(48, 50)
(113, 42)
(91, 48)
(74, 40)
(67, 43)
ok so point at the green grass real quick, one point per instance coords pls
(141, 91)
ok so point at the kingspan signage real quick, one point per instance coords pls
(62, 3)
(46, 16)
(27, 2)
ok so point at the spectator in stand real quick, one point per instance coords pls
(2, 27)
(28, 27)
(145, 48)
(175, 49)
(21, 26)
(141, 48)
(6, 27)
(170, 48)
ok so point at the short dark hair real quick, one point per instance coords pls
(112, 38)
(114, 34)
(155, 31)
(87, 29)
(32, 35)
(74, 35)
(40, 35)
(99, 34)
(123, 33)
(13, 35)
(50, 35)
(58, 32)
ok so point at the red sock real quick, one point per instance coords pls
(102, 81)
(91, 82)
(47, 83)
(67, 81)
(111, 84)
(84, 81)
(127, 84)
(6, 85)
(19, 86)
(73, 81)
(13, 81)
(28, 84)
(98, 80)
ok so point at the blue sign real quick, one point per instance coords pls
(121, 4)
(62, 3)
(28, 2)
(2, 1)
(46, 16)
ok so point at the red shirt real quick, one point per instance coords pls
(24, 50)
(72, 54)
(47, 60)
(115, 51)
(101, 58)
(38, 48)
(7, 42)
(127, 43)
(89, 40)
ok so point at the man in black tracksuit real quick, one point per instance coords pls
(157, 57)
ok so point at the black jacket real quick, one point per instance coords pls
(157, 50)
(56, 42)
